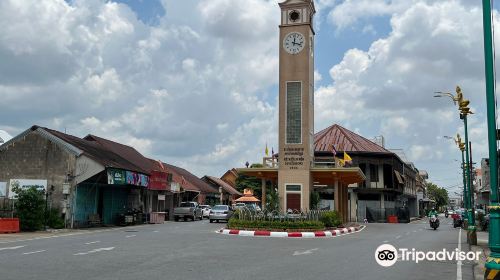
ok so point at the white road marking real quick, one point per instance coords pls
(306, 252)
(11, 248)
(398, 237)
(156, 231)
(128, 236)
(34, 252)
(66, 234)
(94, 251)
(93, 242)
(459, 262)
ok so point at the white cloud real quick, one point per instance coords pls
(388, 88)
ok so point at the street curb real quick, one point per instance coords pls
(265, 233)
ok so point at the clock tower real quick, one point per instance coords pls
(296, 103)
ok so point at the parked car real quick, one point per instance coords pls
(239, 205)
(220, 212)
(205, 211)
(188, 210)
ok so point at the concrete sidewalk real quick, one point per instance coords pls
(482, 246)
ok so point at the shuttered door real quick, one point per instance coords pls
(85, 203)
(293, 201)
(114, 203)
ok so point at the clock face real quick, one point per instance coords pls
(294, 42)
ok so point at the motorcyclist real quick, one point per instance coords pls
(433, 212)
(434, 223)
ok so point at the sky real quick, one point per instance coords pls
(194, 82)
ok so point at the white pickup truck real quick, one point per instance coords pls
(188, 210)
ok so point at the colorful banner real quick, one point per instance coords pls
(123, 177)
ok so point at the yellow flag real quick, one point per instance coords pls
(341, 162)
(347, 157)
(267, 150)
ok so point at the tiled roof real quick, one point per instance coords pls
(344, 141)
(190, 182)
(228, 188)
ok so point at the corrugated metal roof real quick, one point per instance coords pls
(101, 153)
(45, 134)
(189, 181)
(228, 188)
(127, 152)
(344, 141)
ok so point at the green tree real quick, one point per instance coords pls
(440, 195)
(30, 208)
(247, 182)
(273, 200)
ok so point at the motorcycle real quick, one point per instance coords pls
(446, 214)
(434, 222)
(458, 220)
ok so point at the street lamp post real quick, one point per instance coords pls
(464, 111)
(471, 230)
(493, 261)
(461, 146)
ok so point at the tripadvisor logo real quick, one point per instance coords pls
(386, 255)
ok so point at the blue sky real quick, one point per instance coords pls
(177, 80)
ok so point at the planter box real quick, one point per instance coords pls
(8, 225)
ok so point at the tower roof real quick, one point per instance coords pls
(344, 140)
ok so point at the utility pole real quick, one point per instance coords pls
(493, 261)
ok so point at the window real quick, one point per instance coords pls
(293, 113)
(293, 188)
(373, 173)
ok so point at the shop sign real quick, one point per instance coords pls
(158, 180)
(116, 177)
(40, 185)
(161, 197)
(175, 187)
(122, 177)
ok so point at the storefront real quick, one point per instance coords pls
(100, 202)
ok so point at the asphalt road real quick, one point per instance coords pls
(192, 250)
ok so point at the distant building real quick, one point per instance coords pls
(483, 186)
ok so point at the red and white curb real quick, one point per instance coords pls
(328, 233)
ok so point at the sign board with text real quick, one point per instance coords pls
(40, 185)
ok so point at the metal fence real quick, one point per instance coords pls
(7, 208)
(264, 215)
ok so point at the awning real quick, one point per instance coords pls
(399, 177)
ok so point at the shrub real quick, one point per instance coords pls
(54, 219)
(280, 225)
(331, 219)
(30, 206)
